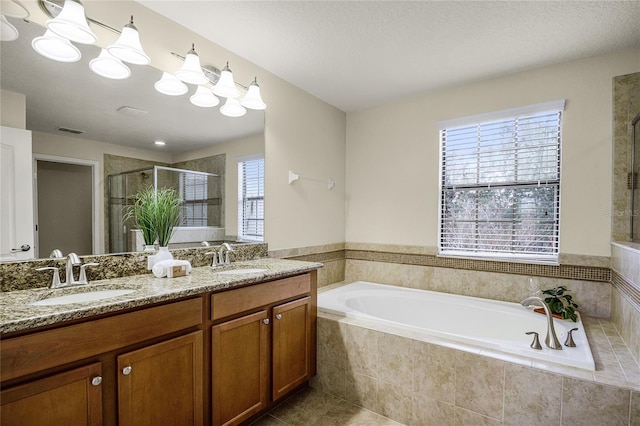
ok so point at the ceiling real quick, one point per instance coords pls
(359, 54)
(69, 95)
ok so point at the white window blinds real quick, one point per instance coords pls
(251, 200)
(500, 186)
(194, 192)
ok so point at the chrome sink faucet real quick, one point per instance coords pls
(224, 260)
(72, 260)
(552, 339)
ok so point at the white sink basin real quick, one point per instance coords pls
(90, 296)
(242, 271)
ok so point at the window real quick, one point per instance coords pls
(251, 200)
(500, 184)
(193, 189)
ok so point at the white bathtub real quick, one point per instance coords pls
(495, 325)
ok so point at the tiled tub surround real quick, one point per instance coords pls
(17, 315)
(23, 275)
(420, 381)
(332, 256)
(625, 306)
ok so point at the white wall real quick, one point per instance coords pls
(392, 153)
(13, 109)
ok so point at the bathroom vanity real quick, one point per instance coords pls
(209, 348)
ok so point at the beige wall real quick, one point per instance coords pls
(302, 133)
(392, 153)
(13, 112)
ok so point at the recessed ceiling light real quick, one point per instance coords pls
(159, 143)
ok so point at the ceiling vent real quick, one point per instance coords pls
(132, 112)
(68, 130)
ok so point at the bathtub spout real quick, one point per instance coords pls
(552, 339)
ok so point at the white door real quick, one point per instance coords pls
(16, 195)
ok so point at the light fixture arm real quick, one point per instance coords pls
(58, 7)
(215, 70)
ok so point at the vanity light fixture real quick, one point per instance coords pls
(52, 46)
(191, 71)
(252, 99)
(7, 31)
(128, 48)
(170, 85)
(72, 24)
(107, 65)
(232, 108)
(204, 97)
(226, 87)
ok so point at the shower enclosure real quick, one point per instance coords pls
(633, 179)
(201, 213)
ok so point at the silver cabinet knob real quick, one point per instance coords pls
(96, 380)
(266, 321)
(278, 316)
(127, 370)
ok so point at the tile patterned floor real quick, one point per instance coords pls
(311, 407)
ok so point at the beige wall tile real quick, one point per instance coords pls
(531, 397)
(395, 356)
(394, 402)
(479, 384)
(587, 403)
(362, 390)
(434, 371)
(469, 418)
(331, 346)
(330, 378)
(362, 350)
(635, 409)
(427, 411)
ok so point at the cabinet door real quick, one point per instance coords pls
(70, 398)
(162, 383)
(239, 368)
(291, 341)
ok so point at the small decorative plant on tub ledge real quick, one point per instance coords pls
(561, 304)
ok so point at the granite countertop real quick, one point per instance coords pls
(17, 313)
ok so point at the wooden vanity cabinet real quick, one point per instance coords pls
(262, 346)
(138, 372)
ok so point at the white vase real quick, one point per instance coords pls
(163, 254)
(149, 248)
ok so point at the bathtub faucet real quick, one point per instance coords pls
(551, 340)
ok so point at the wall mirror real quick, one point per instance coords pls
(62, 98)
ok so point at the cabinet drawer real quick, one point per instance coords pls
(243, 299)
(42, 350)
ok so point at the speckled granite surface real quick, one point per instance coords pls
(23, 275)
(17, 313)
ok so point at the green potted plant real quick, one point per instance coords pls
(143, 212)
(561, 303)
(167, 214)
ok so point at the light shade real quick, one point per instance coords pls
(232, 108)
(252, 99)
(191, 71)
(52, 46)
(106, 65)
(226, 87)
(128, 48)
(170, 85)
(72, 24)
(7, 31)
(204, 98)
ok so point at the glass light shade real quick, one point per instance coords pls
(52, 46)
(232, 108)
(14, 8)
(107, 65)
(170, 85)
(204, 98)
(128, 48)
(191, 71)
(225, 87)
(7, 31)
(72, 24)
(252, 99)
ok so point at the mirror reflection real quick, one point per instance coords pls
(92, 135)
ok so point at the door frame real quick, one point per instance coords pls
(96, 205)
